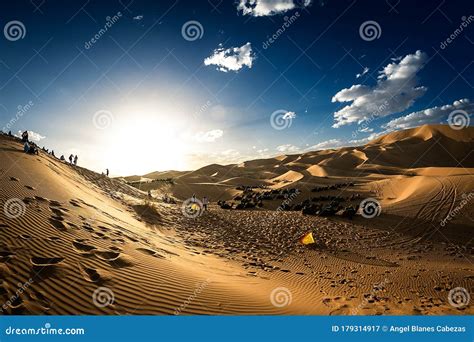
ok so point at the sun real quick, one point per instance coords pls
(142, 140)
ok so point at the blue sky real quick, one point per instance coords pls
(138, 86)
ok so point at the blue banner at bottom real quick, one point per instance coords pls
(236, 328)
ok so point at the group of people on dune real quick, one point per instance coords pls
(31, 147)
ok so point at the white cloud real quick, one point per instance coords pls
(289, 116)
(366, 130)
(366, 70)
(328, 144)
(395, 91)
(261, 8)
(365, 140)
(287, 148)
(32, 136)
(429, 116)
(209, 136)
(232, 59)
(138, 17)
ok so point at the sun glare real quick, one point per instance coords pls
(143, 139)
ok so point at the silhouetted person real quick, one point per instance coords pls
(205, 202)
(107, 172)
(33, 149)
(52, 153)
(71, 158)
(24, 136)
(10, 133)
(62, 158)
(75, 160)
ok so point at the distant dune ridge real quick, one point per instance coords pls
(77, 242)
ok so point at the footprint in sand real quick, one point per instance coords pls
(53, 238)
(150, 252)
(14, 179)
(58, 223)
(29, 187)
(90, 274)
(6, 256)
(87, 226)
(45, 261)
(56, 204)
(107, 255)
(100, 235)
(25, 237)
(59, 211)
(80, 246)
(41, 199)
(38, 299)
(75, 203)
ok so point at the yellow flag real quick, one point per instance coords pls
(307, 239)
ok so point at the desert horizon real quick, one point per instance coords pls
(382, 228)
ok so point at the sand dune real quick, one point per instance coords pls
(95, 245)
